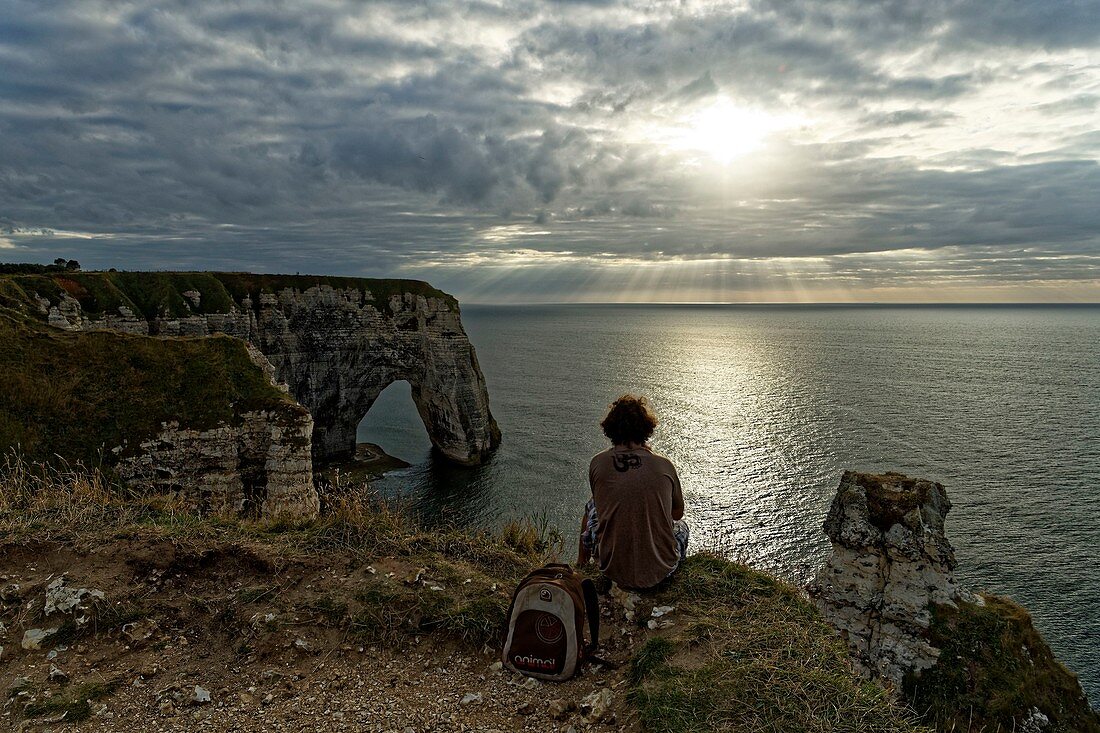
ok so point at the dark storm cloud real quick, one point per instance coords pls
(405, 136)
(1012, 23)
(907, 117)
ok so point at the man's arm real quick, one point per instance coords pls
(677, 495)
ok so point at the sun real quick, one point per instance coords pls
(725, 131)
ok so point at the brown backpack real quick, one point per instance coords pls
(545, 635)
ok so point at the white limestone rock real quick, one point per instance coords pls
(261, 466)
(890, 564)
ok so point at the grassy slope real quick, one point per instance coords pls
(753, 654)
(995, 664)
(78, 394)
(150, 294)
(746, 652)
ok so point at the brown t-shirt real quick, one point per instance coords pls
(637, 495)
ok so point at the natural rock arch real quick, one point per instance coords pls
(337, 350)
(336, 342)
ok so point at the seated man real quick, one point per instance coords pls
(633, 526)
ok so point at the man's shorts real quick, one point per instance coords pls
(680, 531)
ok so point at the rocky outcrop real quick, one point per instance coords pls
(337, 349)
(259, 464)
(199, 419)
(891, 564)
(259, 467)
(963, 661)
(68, 315)
(335, 342)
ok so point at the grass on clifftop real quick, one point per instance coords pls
(77, 395)
(240, 284)
(749, 653)
(155, 294)
(993, 665)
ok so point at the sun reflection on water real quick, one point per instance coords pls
(729, 436)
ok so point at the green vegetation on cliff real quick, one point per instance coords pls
(993, 665)
(76, 395)
(753, 654)
(240, 284)
(160, 294)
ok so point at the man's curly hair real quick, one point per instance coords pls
(629, 420)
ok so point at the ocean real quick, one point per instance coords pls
(763, 407)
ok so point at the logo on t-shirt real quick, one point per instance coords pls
(626, 461)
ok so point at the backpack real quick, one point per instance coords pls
(545, 636)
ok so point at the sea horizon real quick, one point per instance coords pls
(796, 304)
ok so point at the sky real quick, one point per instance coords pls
(565, 151)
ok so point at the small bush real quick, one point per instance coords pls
(75, 702)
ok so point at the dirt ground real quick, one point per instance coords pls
(229, 639)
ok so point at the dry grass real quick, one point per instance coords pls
(58, 500)
(756, 656)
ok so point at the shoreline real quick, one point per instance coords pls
(369, 463)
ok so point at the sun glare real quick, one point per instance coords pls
(725, 131)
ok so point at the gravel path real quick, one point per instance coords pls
(427, 687)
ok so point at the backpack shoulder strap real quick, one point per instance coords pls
(592, 608)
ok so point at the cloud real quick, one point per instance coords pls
(928, 117)
(389, 137)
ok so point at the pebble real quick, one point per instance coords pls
(56, 675)
(559, 709)
(33, 638)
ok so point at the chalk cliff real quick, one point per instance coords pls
(335, 342)
(890, 564)
(961, 659)
(332, 343)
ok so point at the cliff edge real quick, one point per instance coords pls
(336, 342)
(964, 661)
(361, 619)
(196, 420)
